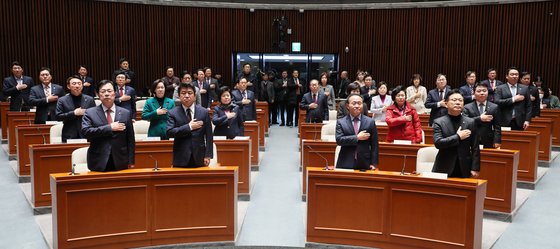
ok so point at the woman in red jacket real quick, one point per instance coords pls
(402, 119)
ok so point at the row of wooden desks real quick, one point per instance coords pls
(48, 159)
(141, 207)
(387, 210)
(530, 143)
(499, 167)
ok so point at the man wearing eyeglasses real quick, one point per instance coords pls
(110, 133)
(456, 138)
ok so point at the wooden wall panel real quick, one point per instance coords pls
(392, 44)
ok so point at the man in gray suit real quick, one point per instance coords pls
(487, 117)
(456, 138)
(109, 130)
(515, 102)
(191, 128)
(357, 136)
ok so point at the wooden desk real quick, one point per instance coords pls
(27, 135)
(263, 123)
(252, 131)
(310, 131)
(499, 167)
(4, 108)
(526, 142)
(428, 134)
(301, 116)
(424, 119)
(237, 153)
(140, 207)
(139, 115)
(387, 210)
(544, 127)
(382, 131)
(264, 106)
(555, 115)
(49, 159)
(15, 119)
(46, 159)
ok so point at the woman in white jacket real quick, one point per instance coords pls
(417, 94)
(380, 102)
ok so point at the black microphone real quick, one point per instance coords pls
(73, 171)
(321, 156)
(404, 165)
(156, 167)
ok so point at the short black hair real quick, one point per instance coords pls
(451, 92)
(168, 67)
(481, 84)
(396, 91)
(103, 83)
(511, 68)
(351, 87)
(45, 69)
(186, 85)
(349, 96)
(15, 63)
(154, 85)
(490, 70)
(73, 77)
(123, 59)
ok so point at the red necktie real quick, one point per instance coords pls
(122, 91)
(315, 98)
(109, 119)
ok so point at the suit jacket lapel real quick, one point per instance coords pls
(101, 114)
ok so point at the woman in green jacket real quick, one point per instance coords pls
(155, 110)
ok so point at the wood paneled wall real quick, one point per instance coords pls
(391, 43)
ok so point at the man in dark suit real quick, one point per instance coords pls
(343, 84)
(214, 87)
(17, 87)
(89, 85)
(70, 108)
(110, 133)
(191, 129)
(125, 96)
(44, 96)
(203, 88)
(124, 68)
(487, 117)
(281, 89)
(525, 79)
(171, 81)
(457, 140)
(467, 90)
(246, 100)
(252, 79)
(356, 134)
(514, 101)
(315, 103)
(368, 90)
(492, 83)
(300, 87)
(436, 98)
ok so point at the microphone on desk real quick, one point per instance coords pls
(73, 172)
(321, 156)
(156, 167)
(404, 165)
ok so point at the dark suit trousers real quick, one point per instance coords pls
(281, 111)
(272, 117)
(290, 113)
(514, 125)
(299, 98)
(191, 164)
